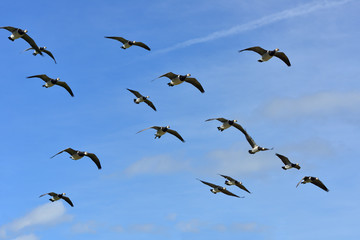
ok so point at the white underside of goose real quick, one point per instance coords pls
(126, 45)
(48, 84)
(76, 157)
(139, 100)
(215, 190)
(286, 167)
(255, 149)
(176, 81)
(159, 133)
(266, 57)
(15, 35)
(225, 126)
(55, 198)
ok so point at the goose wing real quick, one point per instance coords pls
(123, 40)
(242, 187)
(44, 77)
(169, 75)
(318, 183)
(28, 49)
(210, 184)
(238, 126)
(283, 57)
(176, 134)
(50, 54)
(223, 120)
(68, 150)
(249, 138)
(300, 181)
(95, 159)
(195, 83)
(153, 127)
(141, 44)
(148, 102)
(31, 42)
(68, 200)
(256, 49)
(64, 85)
(136, 93)
(50, 193)
(284, 159)
(10, 29)
(227, 192)
(228, 178)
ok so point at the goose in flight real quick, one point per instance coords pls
(42, 49)
(255, 148)
(49, 82)
(76, 155)
(19, 33)
(230, 181)
(268, 54)
(226, 124)
(56, 197)
(313, 180)
(177, 79)
(140, 98)
(128, 43)
(162, 130)
(216, 188)
(287, 163)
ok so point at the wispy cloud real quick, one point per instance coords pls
(315, 105)
(47, 214)
(27, 237)
(289, 13)
(160, 164)
(85, 227)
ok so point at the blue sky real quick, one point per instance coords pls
(147, 188)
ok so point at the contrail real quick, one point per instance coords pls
(289, 13)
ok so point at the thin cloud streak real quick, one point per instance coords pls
(289, 13)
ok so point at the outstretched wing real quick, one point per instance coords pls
(284, 159)
(210, 184)
(31, 42)
(141, 44)
(136, 93)
(28, 49)
(64, 85)
(300, 181)
(318, 183)
(68, 150)
(169, 75)
(42, 76)
(50, 54)
(154, 127)
(50, 193)
(10, 29)
(228, 178)
(123, 40)
(95, 159)
(176, 134)
(195, 83)
(256, 49)
(283, 57)
(249, 138)
(68, 200)
(223, 120)
(238, 126)
(227, 192)
(242, 187)
(148, 102)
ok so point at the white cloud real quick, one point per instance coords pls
(319, 104)
(47, 214)
(289, 13)
(161, 164)
(27, 237)
(192, 226)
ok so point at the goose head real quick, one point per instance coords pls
(167, 126)
(188, 75)
(63, 194)
(147, 96)
(276, 49)
(25, 31)
(57, 79)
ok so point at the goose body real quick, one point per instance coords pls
(160, 131)
(42, 49)
(313, 180)
(176, 79)
(17, 33)
(226, 123)
(76, 155)
(56, 197)
(287, 163)
(266, 55)
(49, 82)
(230, 181)
(127, 43)
(216, 188)
(140, 98)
